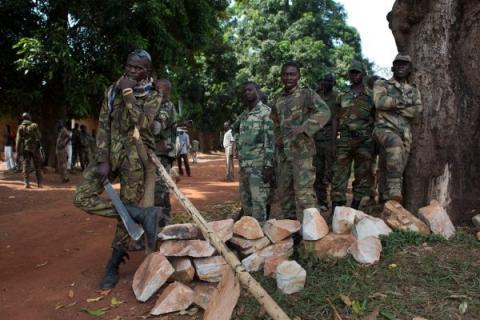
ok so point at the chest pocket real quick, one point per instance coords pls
(250, 131)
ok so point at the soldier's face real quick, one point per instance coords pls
(290, 77)
(250, 92)
(401, 69)
(327, 84)
(355, 76)
(136, 68)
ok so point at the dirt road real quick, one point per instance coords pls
(52, 255)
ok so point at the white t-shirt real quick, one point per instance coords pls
(228, 139)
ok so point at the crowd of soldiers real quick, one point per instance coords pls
(297, 144)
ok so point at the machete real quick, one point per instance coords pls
(134, 230)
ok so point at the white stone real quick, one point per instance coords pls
(399, 218)
(210, 269)
(278, 230)
(314, 226)
(183, 248)
(184, 271)
(249, 228)
(370, 226)
(476, 221)
(367, 250)
(343, 220)
(255, 261)
(223, 228)
(175, 297)
(290, 277)
(435, 216)
(180, 231)
(151, 275)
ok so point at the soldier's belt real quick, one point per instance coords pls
(356, 134)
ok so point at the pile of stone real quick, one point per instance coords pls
(358, 234)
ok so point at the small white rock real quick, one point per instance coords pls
(290, 277)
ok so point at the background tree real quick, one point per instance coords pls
(444, 161)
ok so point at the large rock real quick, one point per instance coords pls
(478, 235)
(278, 230)
(271, 264)
(399, 218)
(257, 246)
(314, 226)
(331, 246)
(248, 227)
(223, 228)
(255, 261)
(224, 300)
(290, 277)
(476, 221)
(435, 216)
(184, 271)
(203, 292)
(244, 244)
(210, 269)
(184, 248)
(175, 297)
(151, 275)
(343, 220)
(182, 231)
(370, 226)
(366, 250)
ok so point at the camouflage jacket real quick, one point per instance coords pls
(254, 135)
(397, 103)
(299, 107)
(331, 99)
(165, 138)
(118, 117)
(357, 113)
(28, 137)
(62, 140)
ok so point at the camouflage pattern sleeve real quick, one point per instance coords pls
(236, 125)
(269, 144)
(135, 116)
(274, 116)
(320, 114)
(37, 132)
(414, 108)
(381, 98)
(18, 141)
(103, 131)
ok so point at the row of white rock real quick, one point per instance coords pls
(183, 254)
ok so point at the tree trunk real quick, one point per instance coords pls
(442, 37)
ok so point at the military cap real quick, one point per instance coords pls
(356, 66)
(403, 57)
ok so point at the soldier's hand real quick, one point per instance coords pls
(267, 175)
(295, 130)
(126, 83)
(103, 169)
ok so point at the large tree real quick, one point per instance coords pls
(442, 37)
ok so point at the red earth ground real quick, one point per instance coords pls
(52, 255)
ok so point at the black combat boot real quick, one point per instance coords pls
(148, 218)
(334, 205)
(355, 204)
(110, 278)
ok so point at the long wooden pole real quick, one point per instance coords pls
(265, 300)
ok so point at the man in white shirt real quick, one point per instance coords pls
(228, 145)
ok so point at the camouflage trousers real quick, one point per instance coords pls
(84, 158)
(87, 194)
(358, 151)
(162, 192)
(62, 158)
(295, 179)
(394, 151)
(254, 192)
(323, 162)
(28, 158)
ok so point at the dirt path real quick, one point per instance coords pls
(52, 255)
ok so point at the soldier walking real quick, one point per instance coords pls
(325, 142)
(61, 150)
(297, 114)
(355, 144)
(398, 104)
(28, 149)
(130, 104)
(254, 133)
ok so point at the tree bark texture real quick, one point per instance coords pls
(443, 39)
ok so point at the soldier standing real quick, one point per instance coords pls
(165, 143)
(398, 104)
(28, 148)
(61, 150)
(254, 133)
(131, 103)
(355, 143)
(297, 114)
(325, 142)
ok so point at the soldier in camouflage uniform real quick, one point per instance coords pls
(28, 148)
(85, 141)
(355, 144)
(254, 136)
(325, 142)
(297, 114)
(130, 104)
(61, 150)
(165, 143)
(398, 104)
